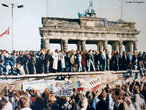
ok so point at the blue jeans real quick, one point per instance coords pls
(79, 67)
(97, 66)
(67, 69)
(103, 65)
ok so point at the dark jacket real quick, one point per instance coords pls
(102, 105)
(122, 106)
(53, 106)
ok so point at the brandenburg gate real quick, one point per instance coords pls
(88, 29)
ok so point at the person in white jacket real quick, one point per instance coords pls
(55, 60)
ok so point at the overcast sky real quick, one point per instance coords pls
(27, 20)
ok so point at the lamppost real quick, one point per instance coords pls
(121, 13)
(47, 9)
(11, 5)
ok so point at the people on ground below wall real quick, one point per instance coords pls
(127, 96)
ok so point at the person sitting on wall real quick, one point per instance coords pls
(17, 70)
(2, 67)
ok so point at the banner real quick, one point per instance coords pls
(37, 85)
(59, 88)
(63, 88)
(88, 84)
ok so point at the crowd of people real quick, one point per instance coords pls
(45, 61)
(129, 96)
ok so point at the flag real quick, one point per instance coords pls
(6, 32)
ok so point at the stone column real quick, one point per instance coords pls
(97, 47)
(65, 45)
(100, 46)
(61, 44)
(131, 46)
(79, 45)
(121, 46)
(115, 46)
(83, 45)
(126, 47)
(105, 44)
(46, 44)
(135, 46)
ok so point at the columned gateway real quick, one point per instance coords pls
(89, 29)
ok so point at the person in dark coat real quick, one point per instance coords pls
(144, 59)
(45, 96)
(52, 105)
(101, 60)
(41, 62)
(26, 61)
(115, 61)
(120, 61)
(140, 57)
(134, 60)
(39, 103)
(143, 92)
(32, 63)
(47, 61)
(96, 58)
(67, 62)
(124, 61)
(13, 58)
(102, 105)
